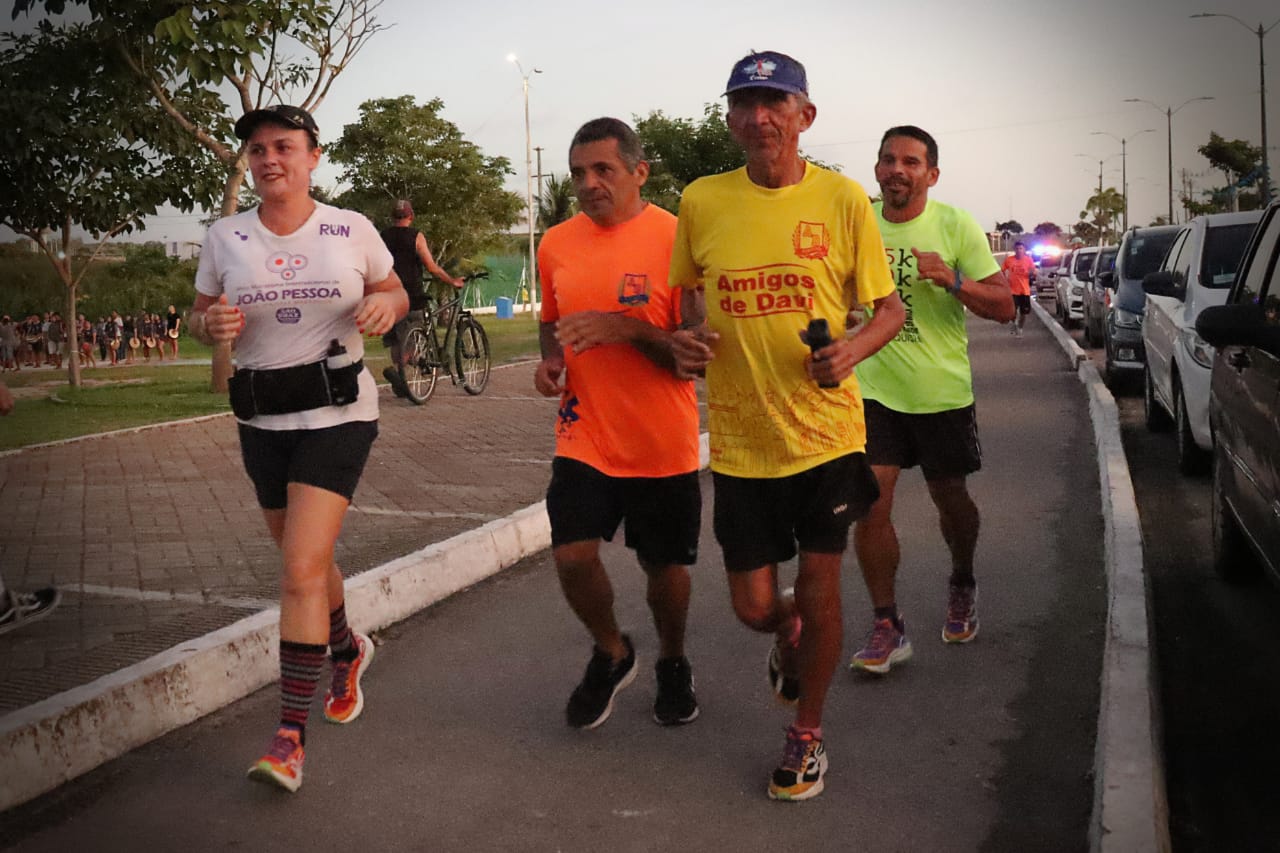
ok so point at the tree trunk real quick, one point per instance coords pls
(72, 338)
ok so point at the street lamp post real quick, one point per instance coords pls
(528, 168)
(1168, 115)
(1261, 33)
(1124, 173)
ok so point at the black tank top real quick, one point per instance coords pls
(402, 242)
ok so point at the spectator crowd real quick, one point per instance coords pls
(42, 340)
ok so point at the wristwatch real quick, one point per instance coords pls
(955, 288)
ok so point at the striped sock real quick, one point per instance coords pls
(342, 645)
(300, 667)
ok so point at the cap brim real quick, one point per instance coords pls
(251, 121)
(765, 84)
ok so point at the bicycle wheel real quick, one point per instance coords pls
(472, 355)
(418, 371)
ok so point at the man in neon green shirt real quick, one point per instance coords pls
(759, 252)
(919, 387)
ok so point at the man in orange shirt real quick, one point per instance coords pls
(627, 430)
(1019, 269)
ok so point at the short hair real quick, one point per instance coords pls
(1019, 243)
(630, 149)
(918, 134)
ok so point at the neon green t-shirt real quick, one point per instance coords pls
(926, 367)
(769, 261)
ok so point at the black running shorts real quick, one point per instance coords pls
(761, 521)
(663, 514)
(331, 459)
(944, 444)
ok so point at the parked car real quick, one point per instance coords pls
(1197, 272)
(1141, 251)
(1245, 410)
(1069, 287)
(1097, 295)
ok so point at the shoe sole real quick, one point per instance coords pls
(957, 639)
(263, 773)
(901, 655)
(608, 709)
(364, 665)
(813, 791)
(679, 721)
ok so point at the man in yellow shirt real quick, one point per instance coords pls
(759, 253)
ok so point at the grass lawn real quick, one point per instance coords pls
(49, 409)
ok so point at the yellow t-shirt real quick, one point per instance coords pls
(770, 260)
(620, 413)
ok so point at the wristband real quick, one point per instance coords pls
(955, 288)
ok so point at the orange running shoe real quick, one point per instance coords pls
(282, 765)
(345, 700)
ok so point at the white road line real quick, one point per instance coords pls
(423, 513)
(254, 604)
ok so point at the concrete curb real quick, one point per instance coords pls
(1130, 810)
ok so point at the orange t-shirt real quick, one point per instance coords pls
(619, 413)
(1019, 272)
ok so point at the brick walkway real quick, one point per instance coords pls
(155, 536)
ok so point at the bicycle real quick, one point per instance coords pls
(463, 350)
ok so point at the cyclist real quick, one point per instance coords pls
(408, 247)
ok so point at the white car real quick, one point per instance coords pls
(1068, 287)
(1197, 272)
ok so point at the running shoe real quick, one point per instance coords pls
(962, 614)
(784, 681)
(885, 646)
(345, 700)
(20, 608)
(282, 765)
(676, 703)
(592, 700)
(395, 380)
(804, 763)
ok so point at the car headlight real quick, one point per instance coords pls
(1127, 319)
(1197, 347)
(1077, 290)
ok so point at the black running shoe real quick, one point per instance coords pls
(592, 700)
(396, 381)
(676, 703)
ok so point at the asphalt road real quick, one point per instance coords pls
(462, 746)
(1217, 656)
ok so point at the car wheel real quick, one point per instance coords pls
(1192, 461)
(1156, 417)
(1233, 561)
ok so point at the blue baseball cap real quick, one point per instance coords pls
(770, 70)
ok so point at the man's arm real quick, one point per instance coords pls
(989, 298)
(546, 377)
(585, 329)
(429, 262)
(833, 364)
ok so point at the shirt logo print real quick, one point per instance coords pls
(634, 289)
(811, 240)
(286, 265)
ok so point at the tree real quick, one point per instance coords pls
(1047, 231)
(1107, 207)
(557, 202)
(80, 144)
(681, 150)
(1013, 226)
(186, 54)
(1240, 163)
(400, 149)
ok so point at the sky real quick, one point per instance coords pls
(1025, 98)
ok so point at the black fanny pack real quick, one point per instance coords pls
(293, 389)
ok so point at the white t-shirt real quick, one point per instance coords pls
(298, 292)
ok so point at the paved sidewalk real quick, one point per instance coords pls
(155, 537)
